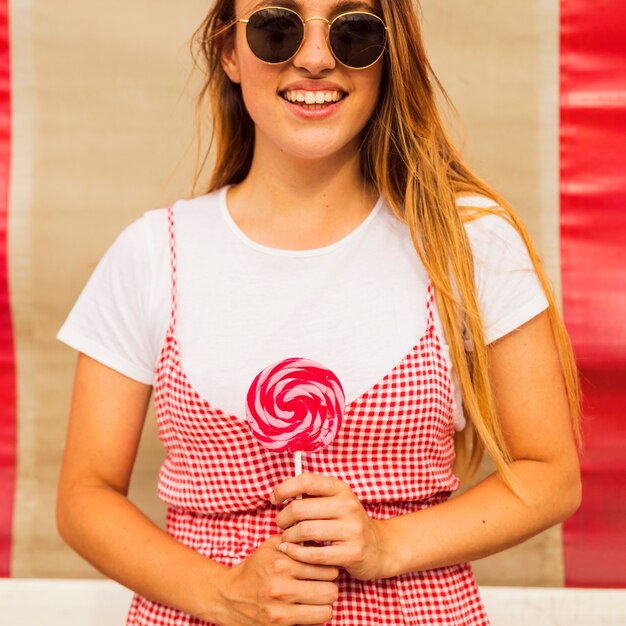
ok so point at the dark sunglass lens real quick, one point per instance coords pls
(274, 35)
(358, 39)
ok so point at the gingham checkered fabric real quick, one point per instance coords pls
(395, 449)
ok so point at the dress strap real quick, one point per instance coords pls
(171, 229)
(430, 304)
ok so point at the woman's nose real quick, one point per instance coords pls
(315, 55)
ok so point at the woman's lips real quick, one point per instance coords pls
(313, 111)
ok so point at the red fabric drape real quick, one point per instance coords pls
(593, 253)
(7, 359)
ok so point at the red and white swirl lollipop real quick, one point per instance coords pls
(295, 405)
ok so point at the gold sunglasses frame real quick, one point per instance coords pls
(245, 20)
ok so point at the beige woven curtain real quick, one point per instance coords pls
(103, 131)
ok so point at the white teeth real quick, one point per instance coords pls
(313, 97)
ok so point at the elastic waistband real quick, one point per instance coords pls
(378, 510)
(230, 537)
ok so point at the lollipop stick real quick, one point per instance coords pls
(298, 467)
(298, 463)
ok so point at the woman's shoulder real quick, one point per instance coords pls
(508, 288)
(485, 222)
(190, 215)
(480, 213)
(488, 224)
(475, 201)
(205, 206)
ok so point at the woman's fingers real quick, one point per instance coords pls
(307, 484)
(317, 530)
(303, 571)
(334, 517)
(312, 592)
(292, 568)
(288, 615)
(316, 555)
(308, 615)
(310, 508)
(268, 587)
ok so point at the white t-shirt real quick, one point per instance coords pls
(357, 306)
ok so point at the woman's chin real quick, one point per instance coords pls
(306, 145)
(317, 148)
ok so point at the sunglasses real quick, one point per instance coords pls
(356, 39)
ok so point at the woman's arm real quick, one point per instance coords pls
(532, 405)
(95, 517)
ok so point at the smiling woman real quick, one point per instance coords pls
(274, 51)
(340, 225)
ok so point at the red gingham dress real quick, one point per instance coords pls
(395, 449)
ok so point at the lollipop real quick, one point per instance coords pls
(295, 406)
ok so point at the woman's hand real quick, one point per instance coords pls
(333, 515)
(271, 588)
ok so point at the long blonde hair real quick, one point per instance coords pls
(409, 157)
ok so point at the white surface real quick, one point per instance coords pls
(62, 603)
(104, 603)
(522, 606)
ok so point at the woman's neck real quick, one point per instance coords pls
(300, 204)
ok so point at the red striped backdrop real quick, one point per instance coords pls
(593, 253)
(7, 362)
